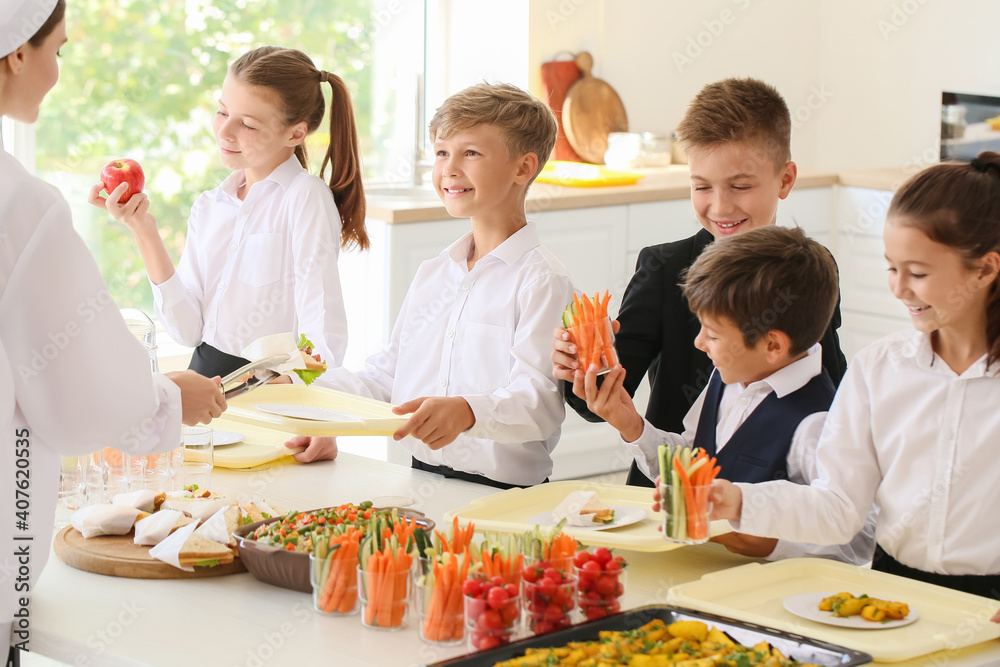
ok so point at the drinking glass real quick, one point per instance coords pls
(686, 513)
(142, 327)
(72, 489)
(196, 468)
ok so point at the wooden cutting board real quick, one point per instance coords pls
(558, 77)
(592, 110)
(119, 556)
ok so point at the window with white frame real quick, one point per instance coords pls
(141, 78)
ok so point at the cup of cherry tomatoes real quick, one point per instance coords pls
(549, 597)
(600, 582)
(492, 610)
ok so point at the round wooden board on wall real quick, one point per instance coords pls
(119, 556)
(591, 112)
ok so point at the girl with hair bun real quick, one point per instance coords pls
(261, 250)
(914, 426)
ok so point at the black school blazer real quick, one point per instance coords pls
(658, 331)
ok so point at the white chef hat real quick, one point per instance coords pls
(20, 20)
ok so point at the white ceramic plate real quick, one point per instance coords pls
(307, 412)
(222, 438)
(624, 515)
(806, 605)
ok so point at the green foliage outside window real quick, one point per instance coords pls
(141, 78)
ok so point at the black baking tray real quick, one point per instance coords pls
(792, 645)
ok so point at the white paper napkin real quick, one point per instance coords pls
(154, 528)
(169, 550)
(214, 528)
(142, 500)
(199, 508)
(570, 507)
(95, 520)
(273, 345)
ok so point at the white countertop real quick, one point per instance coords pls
(89, 619)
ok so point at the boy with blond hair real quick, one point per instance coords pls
(468, 355)
(763, 299)
(737, 133)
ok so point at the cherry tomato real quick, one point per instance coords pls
(488, 642)
(592, 567)
(602, 555)
(497, 581)
(553, 574)
(613, 606)
(581, 558)
(606, 585)
(595, 611)
(620, 560)
(612, 566)
(489, 620)
(547, 586)
(471, 587)
(620, 590)
(585, 582)
(497, 597)
(509, 614)
(542, 626)
(553, 613)
(531, 574)
(512, 590)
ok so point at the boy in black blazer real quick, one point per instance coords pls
(737, 133)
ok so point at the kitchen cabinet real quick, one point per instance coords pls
(869, 309)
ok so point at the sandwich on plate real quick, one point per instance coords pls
(598, 511)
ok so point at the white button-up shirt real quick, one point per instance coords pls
(737, 404)
(72, 378)
(484, 335)
(264, 265)
(908, 433)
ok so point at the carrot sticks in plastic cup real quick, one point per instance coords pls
(588, 324)
(685, 484)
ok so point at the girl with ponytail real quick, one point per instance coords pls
(915, 424)
(261, 250)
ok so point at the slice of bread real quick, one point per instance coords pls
(601, 512)
(201, 550)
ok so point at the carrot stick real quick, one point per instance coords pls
(372, 579)
(694, 529)
(349, 579)
(330, 585)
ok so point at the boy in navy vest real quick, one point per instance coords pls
(764, 299)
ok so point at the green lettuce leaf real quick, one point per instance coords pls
(207, 563)
(309, 375)
(304, 342)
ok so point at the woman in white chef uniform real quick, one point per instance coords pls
(72, 377)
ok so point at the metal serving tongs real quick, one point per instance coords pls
(252, 376)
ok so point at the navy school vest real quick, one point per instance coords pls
(758, 450)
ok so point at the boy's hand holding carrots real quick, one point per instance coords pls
(611, 401)
(564, 363)
(436, 421)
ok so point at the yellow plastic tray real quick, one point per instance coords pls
(948, 619)
(376, 417)
(508, 511)
(260, 445)
(582, 175)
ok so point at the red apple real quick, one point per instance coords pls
(121, 171)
